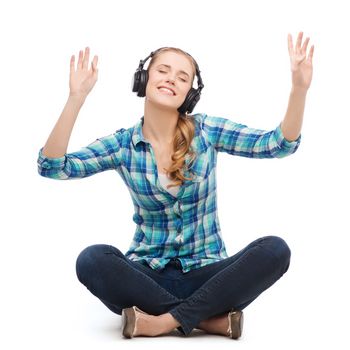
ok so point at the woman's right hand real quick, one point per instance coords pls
(82, 79)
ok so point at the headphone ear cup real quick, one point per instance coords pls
(190, 102)
(135, 81)
(143, 83)
(139, 82)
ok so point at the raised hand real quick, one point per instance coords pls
(301, 66)
(82, 79)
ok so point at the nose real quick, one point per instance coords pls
(170, 79)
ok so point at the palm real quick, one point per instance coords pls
(301, 67)
(82, 79)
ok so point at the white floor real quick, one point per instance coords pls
(72, 317)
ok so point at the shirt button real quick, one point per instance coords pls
(137, 218)
(178, 225)
(46, 165)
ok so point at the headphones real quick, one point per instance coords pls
(140, 80)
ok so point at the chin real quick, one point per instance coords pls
(161, 101)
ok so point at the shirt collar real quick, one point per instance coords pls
(137, 135)
(200, 146)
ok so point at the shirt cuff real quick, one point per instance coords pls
(282, 141)
(49, 163)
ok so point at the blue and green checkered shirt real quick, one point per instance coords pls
(186, 226)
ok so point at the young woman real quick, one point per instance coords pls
(176, 273)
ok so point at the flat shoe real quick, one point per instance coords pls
(129, 320)
(235, 321)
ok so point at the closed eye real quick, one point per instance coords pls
(161, 71)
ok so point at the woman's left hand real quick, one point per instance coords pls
(301, 66)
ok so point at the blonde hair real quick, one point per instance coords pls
(185, 131)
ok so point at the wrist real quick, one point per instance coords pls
(75, 98)
(299, 90)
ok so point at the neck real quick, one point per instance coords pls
(159, 124)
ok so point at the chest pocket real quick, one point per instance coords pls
(200, 168)
(201, 165)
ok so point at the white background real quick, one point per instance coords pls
(241, 49)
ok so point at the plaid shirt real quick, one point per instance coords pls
(186, 226)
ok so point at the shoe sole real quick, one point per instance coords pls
(236, 324)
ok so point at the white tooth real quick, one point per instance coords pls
(165, 89)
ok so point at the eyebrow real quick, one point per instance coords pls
(166, 65)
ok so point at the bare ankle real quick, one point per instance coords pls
(150, 325)
(167, 322)
(144, 325)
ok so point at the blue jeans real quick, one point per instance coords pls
(191, 297)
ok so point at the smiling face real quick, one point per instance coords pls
(175, 73)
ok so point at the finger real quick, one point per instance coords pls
(72, 59)
(94, 65)
(94, 70)
(303, 49)
(300, 36)
(86, 58)
(311, 53)
(94, 62)
(290, 45)
(80, 60)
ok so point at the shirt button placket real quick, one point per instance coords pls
(137, 218)
(178, 225)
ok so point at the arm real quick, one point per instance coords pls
(81, 81)
(241, 140)
(238, 139)
(301, 68)
(100, 155)
(57, 143)
(293, 120)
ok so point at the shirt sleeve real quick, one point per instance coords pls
(241, 140)
(100, 155)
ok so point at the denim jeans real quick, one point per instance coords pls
(214, 289)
